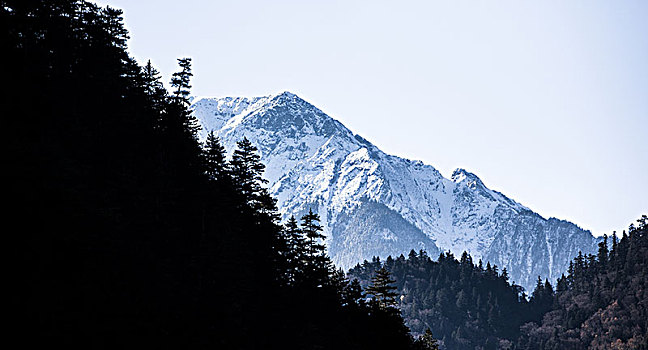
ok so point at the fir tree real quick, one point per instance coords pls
(181, 81)
(214, 154)
(317, 262)
(247, 170)
(427, 341)
(353, 293)
(113, 24)
(505, 275)
(313, 234)
(382, 289)
(603, 252)
(296, 254)
(154, 90)
(562, 284)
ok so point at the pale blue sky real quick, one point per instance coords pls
(546, 101)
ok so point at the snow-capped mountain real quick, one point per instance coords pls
(375, 204)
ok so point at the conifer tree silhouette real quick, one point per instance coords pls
(382, 289)
(214, 154)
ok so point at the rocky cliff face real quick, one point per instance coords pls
(375, 204)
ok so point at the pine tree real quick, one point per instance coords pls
(154, 90)
(214, 154)
(353, 294)
(427, 341)
(505, 275)
(181, 80)
(317, 263)
(382, 289)
(538, 292)
(295, 238)
(412, 256)
(548, 290)
(615, 243)
(465, 258)
(246, 169)
(296, 250)
(180, 154)
(313, 234)
(339, 285)
(562, 284)
(603, 253)
(113, 24)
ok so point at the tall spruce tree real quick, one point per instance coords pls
(382, 288)
(313, 233)
(603, 252)
(247, 170)
(296, 253)
(317, 263)
(179, 109)
(214, 154)
(154, 90)
(181, 81)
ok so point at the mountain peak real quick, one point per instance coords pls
(286, 94)
(462, 175)
(374, 204)
(288, 97)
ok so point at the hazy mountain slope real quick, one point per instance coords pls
(372, 203)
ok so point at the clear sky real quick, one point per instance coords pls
(546, 101)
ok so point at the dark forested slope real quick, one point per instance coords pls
(600, 304)
(466, 305)
(129, 231)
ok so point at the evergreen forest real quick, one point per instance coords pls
(601, 303)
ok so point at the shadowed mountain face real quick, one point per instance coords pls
(375, 204)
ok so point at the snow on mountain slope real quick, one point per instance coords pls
(372, 203)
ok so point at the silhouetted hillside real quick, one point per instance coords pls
(133, 234)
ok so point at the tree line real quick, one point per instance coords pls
(600, 303)
(465, 304)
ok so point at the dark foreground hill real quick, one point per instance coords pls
(129, 233)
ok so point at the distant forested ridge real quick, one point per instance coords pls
(130, 233)
(601, 303)
(466, 304)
